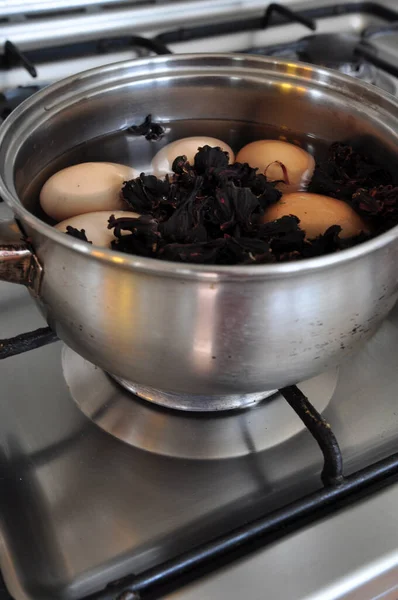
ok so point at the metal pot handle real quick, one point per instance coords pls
(18, 263)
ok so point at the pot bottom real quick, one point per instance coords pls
(182, 433)
(193, 402)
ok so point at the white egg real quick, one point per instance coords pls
(83, 188)
(280, 161)
(163, 160)
(95, 225)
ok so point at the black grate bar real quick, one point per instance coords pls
(369, 479)
(185, 34)
(14, 56)
(374, 31)
(26, 342)
(332, 473)
(153, 45)
(252, 24)
(288, 14)
(203, 31)
(189, 34)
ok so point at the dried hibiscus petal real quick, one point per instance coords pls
(210, 212)
(209, 158)
(79, 234)
(142, 235)
(345, 171)
(150, 130)
(145, 193)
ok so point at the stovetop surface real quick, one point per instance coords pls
(62, 44)
(352, 556)
(82, 508)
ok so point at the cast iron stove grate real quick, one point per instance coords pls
(352, 54)
(359, 54)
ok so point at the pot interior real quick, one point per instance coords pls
(85, 118)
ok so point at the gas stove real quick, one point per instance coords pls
(42, 43)
(109, 497)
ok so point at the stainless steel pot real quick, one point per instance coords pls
(186, 335)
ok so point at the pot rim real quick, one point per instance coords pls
(188, 270)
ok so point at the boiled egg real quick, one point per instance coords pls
(317, 213)
(279, 161)
(163, 160)
(85, 188)
(95, 225)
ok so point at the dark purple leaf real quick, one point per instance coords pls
(150, 130)
(210, 212)
(145, 194)
(208, 159)
(76, 233)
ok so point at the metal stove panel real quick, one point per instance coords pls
(352, 555)
(83, 508)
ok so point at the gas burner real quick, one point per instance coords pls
(342, 52)
(348, 53)
(369, 74)
(191, 402)
(329, 49)
(204, 436)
